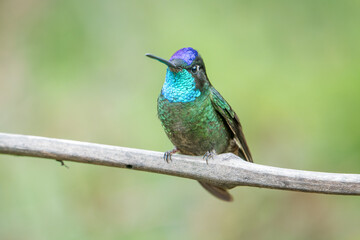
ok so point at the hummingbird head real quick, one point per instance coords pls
(186, 77)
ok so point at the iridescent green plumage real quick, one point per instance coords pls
(198, 124)
(194, 127)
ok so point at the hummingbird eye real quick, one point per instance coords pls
(195, 68)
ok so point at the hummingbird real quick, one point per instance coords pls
(196, 118)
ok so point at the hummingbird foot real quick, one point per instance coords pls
(208, 155)
(167, 155)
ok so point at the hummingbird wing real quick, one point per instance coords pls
(233, 122)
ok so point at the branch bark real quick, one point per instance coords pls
(226, 170)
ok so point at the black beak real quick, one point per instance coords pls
(164, 61)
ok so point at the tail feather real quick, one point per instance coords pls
(218, 192)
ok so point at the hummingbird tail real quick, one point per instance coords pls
(218, 192)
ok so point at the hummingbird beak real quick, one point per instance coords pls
(164, 61)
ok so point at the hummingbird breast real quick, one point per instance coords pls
(194, 127)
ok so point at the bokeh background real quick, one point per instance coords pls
(76, 70)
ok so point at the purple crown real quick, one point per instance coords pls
(187, 54)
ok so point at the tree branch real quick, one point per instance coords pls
(226, 170)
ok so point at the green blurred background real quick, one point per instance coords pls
(76, 70)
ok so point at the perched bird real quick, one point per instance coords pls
(195, 117)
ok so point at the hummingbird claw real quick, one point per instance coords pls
(167, 155)
(208, 155)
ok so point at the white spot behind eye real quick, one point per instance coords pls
(195, 68)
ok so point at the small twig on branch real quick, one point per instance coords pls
(226, 170)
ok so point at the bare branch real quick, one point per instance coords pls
(226, 169)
